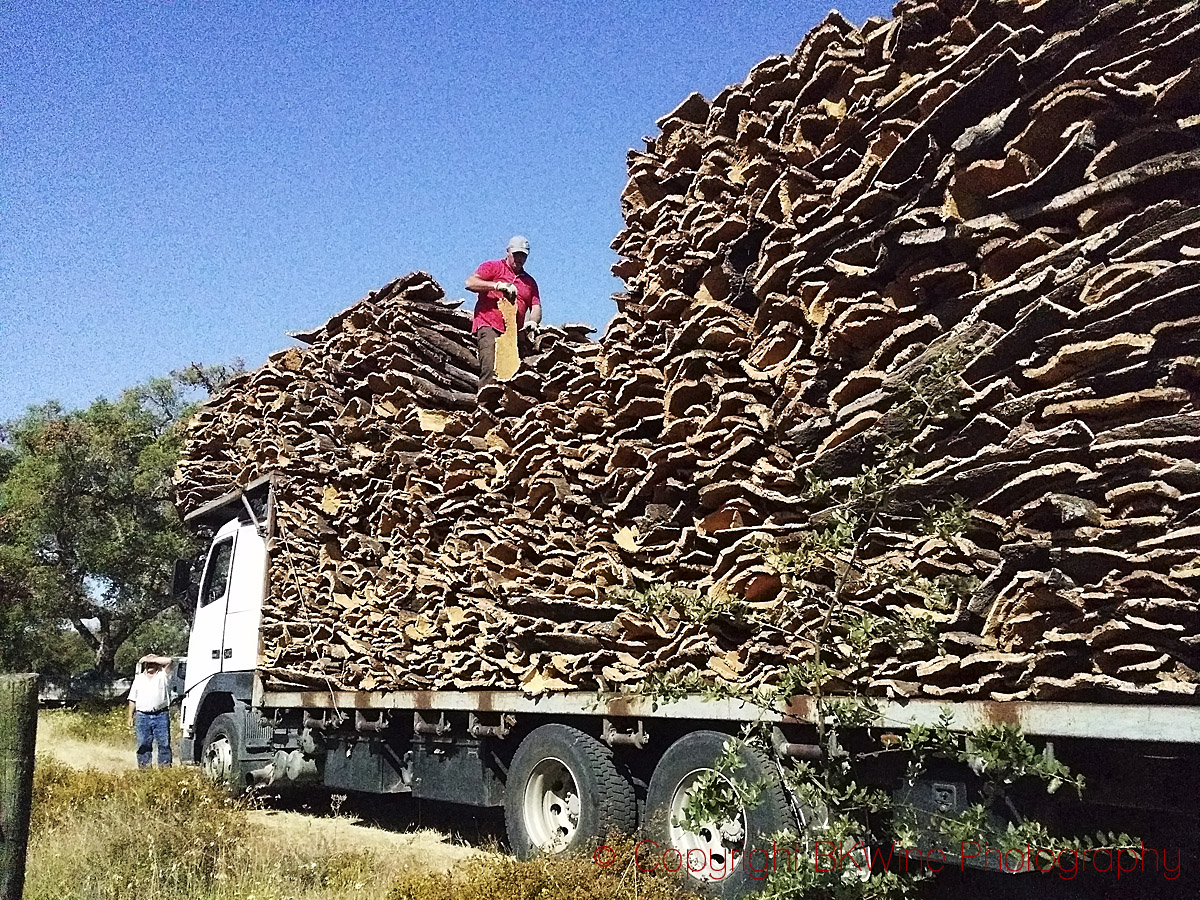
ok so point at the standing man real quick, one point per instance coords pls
(496, 279)
(148, 701)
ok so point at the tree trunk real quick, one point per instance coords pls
(18, 730)
(103, 642)
(106, 654)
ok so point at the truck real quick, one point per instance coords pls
(568, 768)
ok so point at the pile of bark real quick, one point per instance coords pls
(971, 232)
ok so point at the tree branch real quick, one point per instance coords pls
(86, 633)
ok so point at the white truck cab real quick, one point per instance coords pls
(224, 643)
(225, 630)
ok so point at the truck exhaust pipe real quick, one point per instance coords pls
(287, 766)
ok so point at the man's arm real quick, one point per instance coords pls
(481, 286)
(534, 315)
(478, 285)
(480, 281)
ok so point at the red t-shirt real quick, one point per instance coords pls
(487, 309)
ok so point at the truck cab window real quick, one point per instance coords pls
(217, 577)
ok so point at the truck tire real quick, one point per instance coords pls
(721, 855)
(564, 792)
(221, 752)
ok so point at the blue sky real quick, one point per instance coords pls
(185, 182)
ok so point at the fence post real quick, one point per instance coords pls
(18, 730)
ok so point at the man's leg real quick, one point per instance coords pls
(162, 737)
(485, 337)
(143, 728)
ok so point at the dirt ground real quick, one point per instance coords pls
(342, 824)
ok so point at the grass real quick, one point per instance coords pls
(95, 724)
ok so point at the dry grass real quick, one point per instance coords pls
(551, 878)
(169, 833)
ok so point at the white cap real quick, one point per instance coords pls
(518, 244)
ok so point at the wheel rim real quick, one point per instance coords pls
(218, 759)
(551, 806)
(715, 849)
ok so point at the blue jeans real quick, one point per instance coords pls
(151, 729)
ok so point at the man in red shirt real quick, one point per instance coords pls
(493, 280)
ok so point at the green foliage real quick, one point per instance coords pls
(949, 521)
(831, 554)
(209, 379)
(717, 794)
(835, 878)
(672, 684)
(29, 641)
(796, 680)
(827, 567)
(818, 487)
(654, 600)
(843, 813)
(164, 635)
(674, 599)
(934, 395)
(1002, 755)
(87, 530)
(815, 550)
(711, 605)
(943, 592)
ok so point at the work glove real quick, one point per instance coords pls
(509, 290)
(531, 328)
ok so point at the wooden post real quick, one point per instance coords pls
(18, 731)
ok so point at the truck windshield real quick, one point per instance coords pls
(217, 577)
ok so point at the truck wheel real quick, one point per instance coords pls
(221, 751)
(564, 792)
(720, 853)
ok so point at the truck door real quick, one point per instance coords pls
(206, 644)
(239, 645)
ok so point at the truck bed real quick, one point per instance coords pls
(1049, 719)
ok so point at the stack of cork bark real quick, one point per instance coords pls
(995, 202)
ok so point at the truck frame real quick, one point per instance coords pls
(570, 767)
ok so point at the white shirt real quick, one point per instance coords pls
(150, 692)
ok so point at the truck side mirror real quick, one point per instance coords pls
(178, 679)
(184, 589)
